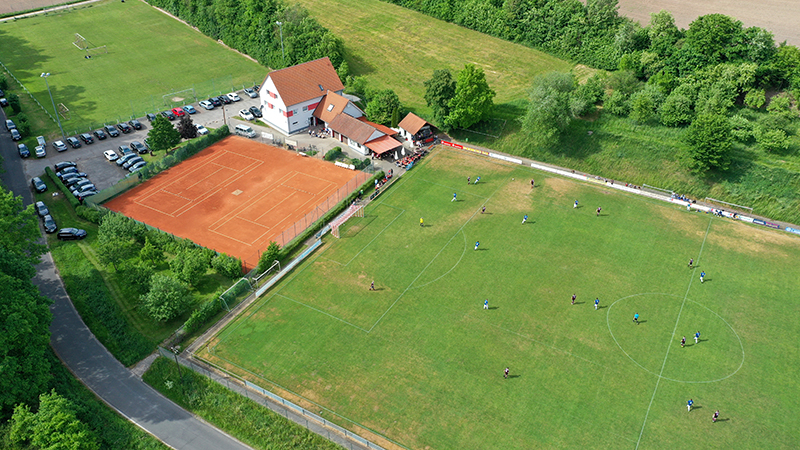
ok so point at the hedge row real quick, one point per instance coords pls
(71, 198)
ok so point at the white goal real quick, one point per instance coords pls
(353, 211)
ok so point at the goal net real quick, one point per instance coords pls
(235, 293)
(353, 211)
(80, 42)
(97, 50)
(63, 110)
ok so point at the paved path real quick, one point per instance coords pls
(86, 357)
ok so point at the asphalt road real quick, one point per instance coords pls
(13, 176)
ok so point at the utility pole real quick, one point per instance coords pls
(58, 119)
(283, 55)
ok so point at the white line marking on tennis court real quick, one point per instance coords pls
(675, 328)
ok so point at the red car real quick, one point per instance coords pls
(178, 112)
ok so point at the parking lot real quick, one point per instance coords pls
(104, 173)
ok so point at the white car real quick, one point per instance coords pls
(251, 92)
(246, 115)
(110, 155)
(60, 146)
(40, 151)
(207, 104)
(201, 130)
(234, 97)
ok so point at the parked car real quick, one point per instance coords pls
(135, 124)
(41, 141)
(124, 127)
(215, 101)
(86, 138)
(251, 92)
(49, 224)
(99, 134)
(23, 151)
(178, 112)
(234, 96)
(38, 184)
(138, 147)
(83, 185)
(255, 111)
(127, 164)
(110, 155)
(40, 151)
(73, 179)
(190, 109)
(201, 130)
(246, 115)
(60, 146)
(63, 165)
(137, 166)
(15, 136)
(111, 130)
(151, 117)
(41, 209)
(68, 234)
(73, 142)
(168, 114)
(124, 158)
(84, 194)
(207, 104)
(225, 99)
(10, 125)
(3, 102)
(124, 150)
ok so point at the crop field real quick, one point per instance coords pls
(420, 361)
(153, 61)
(399, 49)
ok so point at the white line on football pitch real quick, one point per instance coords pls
(669, 345)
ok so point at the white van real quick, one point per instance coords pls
(40, 141)
(244, 130)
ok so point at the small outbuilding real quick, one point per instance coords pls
(416, 129)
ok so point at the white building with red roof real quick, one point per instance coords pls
(289, 96)
(348, 124)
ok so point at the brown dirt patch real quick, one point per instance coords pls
(748, 239)
(469, 164)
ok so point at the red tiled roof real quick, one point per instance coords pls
(351, 127)
(323, 112)
(383, 144)
(382, 128)
(412, 123)
(305, 81)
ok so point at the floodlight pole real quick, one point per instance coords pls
(58, 119)
(283, 55)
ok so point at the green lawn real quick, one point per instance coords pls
(149, 55)
(399, 49)
(420, 361)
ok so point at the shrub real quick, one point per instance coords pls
(166, 299)
(90, 214)
(228, 266)
(13, 102)
(202, 315)
(268, 257)
(3, 82)
(333, 154)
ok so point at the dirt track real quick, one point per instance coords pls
(778, 16)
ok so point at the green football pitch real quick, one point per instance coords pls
(153, 62)
(420, 361)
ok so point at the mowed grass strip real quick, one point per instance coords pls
(149, 55)
(399, 49)
(430, 371)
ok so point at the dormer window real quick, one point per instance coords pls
(330, 107)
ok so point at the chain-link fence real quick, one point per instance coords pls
(312, 217)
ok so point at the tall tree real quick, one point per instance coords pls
(54, 426)
(473, 100)
(186, 127)
(710, 140)
(548, 111)
(380, 107)
(439, 90)
(162, 135)
(713, 36)
(166, 298)
(19, 228)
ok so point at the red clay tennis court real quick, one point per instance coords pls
(238, 195)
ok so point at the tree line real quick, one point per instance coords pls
(251, 27)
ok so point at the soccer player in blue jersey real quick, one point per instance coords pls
(697, 337)
(477, 243)
(486, 304)
(689, 405)
(525, 219)
(575, 206)
(477, 179)
(454, 197)
(636, 318)
(597, 303)
(702, 275)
